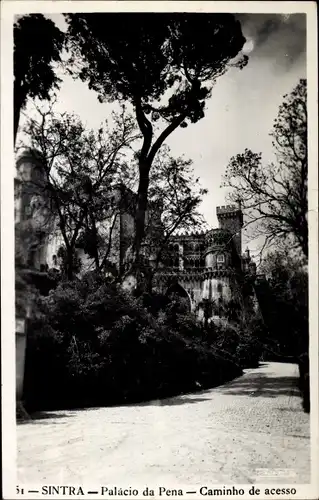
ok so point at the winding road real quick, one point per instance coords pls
(252, 429)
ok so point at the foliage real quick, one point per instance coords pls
(176, 193)
(81, 169)
(274, 196)
(179, 193)
(286, 302)
(241, 341)
(69, 264)
(165, 65)
(37, 46)
(94, 344)
(304, 380)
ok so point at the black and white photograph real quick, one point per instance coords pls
(159, 188)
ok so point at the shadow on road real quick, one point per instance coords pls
(174, 401)
(252, 384)
(45, 415)
(258, 385)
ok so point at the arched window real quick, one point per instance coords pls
(220, 258)
(220, 288)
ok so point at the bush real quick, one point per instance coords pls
(304, 381)
(94, 344)
(241, 342)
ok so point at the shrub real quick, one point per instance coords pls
(304, 380)
(241, 342)
(95, 344)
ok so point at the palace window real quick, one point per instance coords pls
(221, 258)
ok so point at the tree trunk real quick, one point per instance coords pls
(95, 245)
(69, 263)
(17, 104)
(141, 208)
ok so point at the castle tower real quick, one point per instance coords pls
(31, 206)
(230, 218)
(29, 183)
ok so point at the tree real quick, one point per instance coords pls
(274, 196)
(80, 170)
(286, 313)
(165, 65)
(177, 194)
(287, 281)
(37, 46)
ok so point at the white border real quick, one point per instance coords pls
(8, 10)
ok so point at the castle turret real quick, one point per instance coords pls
(29, 184)
(230, 218)
(30, 167)
(31, 206)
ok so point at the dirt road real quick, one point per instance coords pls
(250, 430)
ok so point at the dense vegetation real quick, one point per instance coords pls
(283, 298)
(94, 344)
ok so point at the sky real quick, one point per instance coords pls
(241, 109)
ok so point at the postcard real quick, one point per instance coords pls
(159, 204)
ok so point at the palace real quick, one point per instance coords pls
(207, 265)
(198, 266)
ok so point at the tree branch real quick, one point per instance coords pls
(163, 136)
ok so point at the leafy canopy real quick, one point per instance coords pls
(138, 57)
(37, 46)
(178, 192)
(165, 65)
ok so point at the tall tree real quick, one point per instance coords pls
(37, 46)
(80, 169)
(287, 282)
(177, 193)
(165, 65)
(274, 196)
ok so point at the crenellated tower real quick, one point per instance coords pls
(230, 218)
